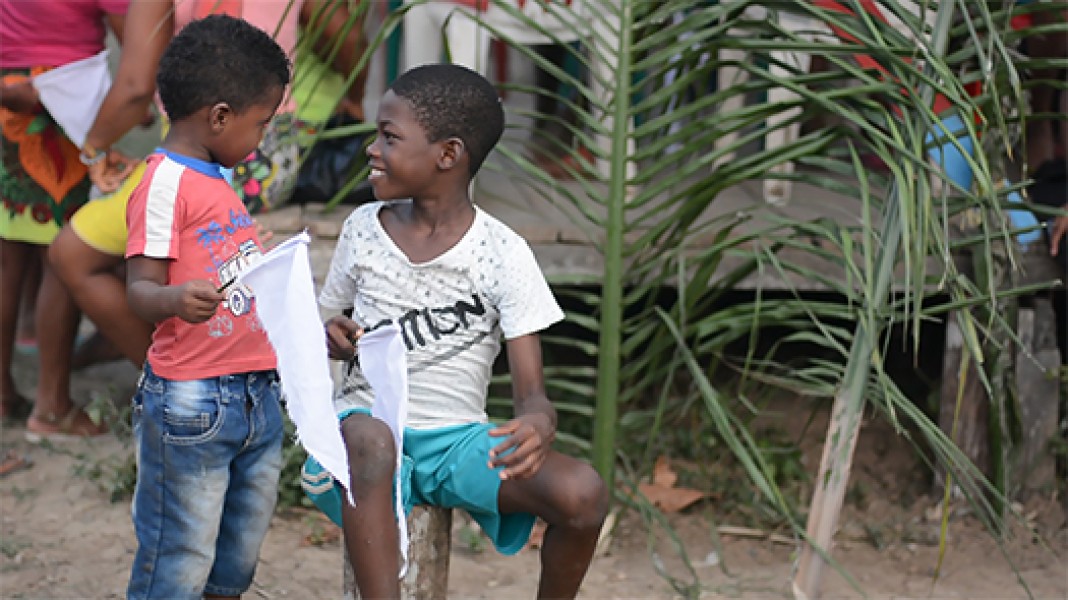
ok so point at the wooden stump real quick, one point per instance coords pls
(430, 537)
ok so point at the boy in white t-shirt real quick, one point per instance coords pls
(455, 280)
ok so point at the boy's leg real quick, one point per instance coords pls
(187, 433)
(253, 489)
(370, 527)
(572, 499)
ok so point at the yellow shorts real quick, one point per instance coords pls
(101, 223)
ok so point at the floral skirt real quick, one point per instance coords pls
(42, 182)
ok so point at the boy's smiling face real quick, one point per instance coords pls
(403, 160)
(238, 134)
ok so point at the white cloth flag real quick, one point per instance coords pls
(384, 361)
(285, 303)
(74, 92)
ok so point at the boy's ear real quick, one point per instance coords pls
(219, 116)
(453, 150)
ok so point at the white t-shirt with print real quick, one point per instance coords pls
(452, 310)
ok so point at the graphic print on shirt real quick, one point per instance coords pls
(419, 328)
(228, 259)
(438, 334)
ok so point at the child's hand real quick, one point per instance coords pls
(531, 435)
(197, 300)
(341, 335)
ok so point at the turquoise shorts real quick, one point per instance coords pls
(445, 467)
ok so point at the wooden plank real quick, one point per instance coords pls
(965, 424)
(1039, 396)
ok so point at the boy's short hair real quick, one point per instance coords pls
(454, 101)
(219, 59)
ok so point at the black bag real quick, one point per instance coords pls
(330, 164)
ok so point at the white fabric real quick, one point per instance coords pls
(427, 23)
(285, 302)
(452, 311)
(384, 361)
(73, 93)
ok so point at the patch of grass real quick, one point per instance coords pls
(10, 547)
(22, 495)
(471, 538)
(116, 475)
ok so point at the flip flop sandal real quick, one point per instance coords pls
(13, 461)
(62, 430)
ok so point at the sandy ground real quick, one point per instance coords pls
(62, 536)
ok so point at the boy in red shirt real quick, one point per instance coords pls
(207, 413)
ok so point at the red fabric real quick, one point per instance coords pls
(940, 102)
(484, 4)
(52, 33)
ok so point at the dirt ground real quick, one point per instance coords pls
(61, 536)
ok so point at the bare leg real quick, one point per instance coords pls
(13, 259)
(57, 324)
(573, 501)
(28, 302)
(98, 287)
(370, 527)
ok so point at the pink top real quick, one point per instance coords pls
(52, 33)
(183, 211)
(280, 18)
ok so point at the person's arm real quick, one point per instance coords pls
(327, 20)
(153, 300)
(147, 28)
(532, 431)
(20, 97)
(117, 25)
(1058, 231)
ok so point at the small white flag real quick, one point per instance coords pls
(284, 289)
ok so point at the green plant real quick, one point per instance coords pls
(115, 474)
(471, 539)
(652, 328)
(648, 204)
(290, 494)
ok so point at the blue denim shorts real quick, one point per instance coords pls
(440, 467)
(209, 453)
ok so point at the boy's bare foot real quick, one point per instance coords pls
(76, 424)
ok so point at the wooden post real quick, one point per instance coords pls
(969, 432)
(1038, 393)
(430, 541)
